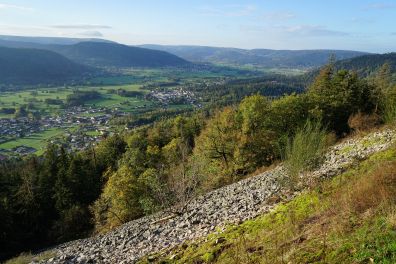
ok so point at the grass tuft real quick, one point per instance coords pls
(389, 114)
(305, 150)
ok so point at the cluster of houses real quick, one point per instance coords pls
(84, 118)
(76, 141)
(11, 128)
(172, 96)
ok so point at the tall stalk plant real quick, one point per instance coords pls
(305, 150)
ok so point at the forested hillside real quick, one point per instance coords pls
(98, 53)
(33, 66)
(368, 64)
(64, 195)
(261, 57)
(113, 54)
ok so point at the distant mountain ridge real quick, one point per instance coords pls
(117, 55)
(261, 57)
(34, 66)
(99, 53)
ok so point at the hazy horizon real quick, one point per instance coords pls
(343, 25)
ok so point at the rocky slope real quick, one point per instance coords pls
(231, 204)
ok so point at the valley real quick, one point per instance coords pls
(280, 150)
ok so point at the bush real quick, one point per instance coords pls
(304, 151)
(361, 122)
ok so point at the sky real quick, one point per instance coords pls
(275, 24)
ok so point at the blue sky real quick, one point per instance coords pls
(276, 24)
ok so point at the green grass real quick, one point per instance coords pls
(93, 133)
(319, 226)
(16, 99)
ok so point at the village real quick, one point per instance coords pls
(74, 122)
(172, 96)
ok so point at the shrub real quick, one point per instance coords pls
(304, 151)
(361, 122)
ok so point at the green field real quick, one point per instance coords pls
(34, 97)
(111, 100)
(37, 97)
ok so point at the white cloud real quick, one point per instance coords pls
(14, 7)
(81, 26)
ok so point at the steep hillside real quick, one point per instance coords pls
(33, 66)
(347, 219)
(233, 204)
(111, 54)
(262, 57)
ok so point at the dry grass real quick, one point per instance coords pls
(391, 217)
(370, 192)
